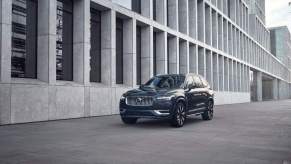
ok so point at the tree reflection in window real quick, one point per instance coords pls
(24, 38)
(64, 43)
(59, 40)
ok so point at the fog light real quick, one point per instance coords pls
(162, 112)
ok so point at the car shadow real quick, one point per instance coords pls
(161, 124)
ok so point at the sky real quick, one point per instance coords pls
(278, 13)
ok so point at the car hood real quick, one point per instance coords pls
(146, 91)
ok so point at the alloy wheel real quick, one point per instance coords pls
(181, 114)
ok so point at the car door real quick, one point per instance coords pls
(204, 91)
(198, 93)
(189, 93)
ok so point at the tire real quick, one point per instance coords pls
(179, 116)
(208, 114)
(126, 120)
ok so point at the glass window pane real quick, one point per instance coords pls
(24, 38)
(64, 44)
(95, 52)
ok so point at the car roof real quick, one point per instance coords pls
(168, 75)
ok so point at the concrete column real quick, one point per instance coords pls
(183, 62)
(108, 47)
(46, 47)
(275, 89)
(129, 52)
(146, 53)
(81, 43)
(173, 14)
(183, 16)
(173, 54)
(147, 8)
(192, 9)
(5, 40)
(193, 59)
(258, 81)
(161, 11)
(161, 53)
(5, 60)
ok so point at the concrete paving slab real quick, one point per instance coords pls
(251, 133)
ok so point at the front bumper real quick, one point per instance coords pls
(159, 110)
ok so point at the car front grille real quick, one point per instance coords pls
(139, 101)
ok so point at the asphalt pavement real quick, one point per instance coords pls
(251, 133)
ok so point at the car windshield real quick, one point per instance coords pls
(165, 82)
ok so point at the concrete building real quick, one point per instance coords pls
(74, 58)
(281, 44)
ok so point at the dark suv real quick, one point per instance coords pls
(172, 97)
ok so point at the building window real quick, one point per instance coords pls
(64, 49)
(136, 6)
(119, 51)
(138, 55)
(24, 39)
(155, 53)
(95, 52)
(155, 10)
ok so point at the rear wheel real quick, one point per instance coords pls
(208, 114)
(129, 120)
(179, 116)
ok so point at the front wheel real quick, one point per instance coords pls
(208, 114)
(179, 116)
(129, 120)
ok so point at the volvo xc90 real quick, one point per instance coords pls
(172, 97)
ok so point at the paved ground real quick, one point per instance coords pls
(256, 133)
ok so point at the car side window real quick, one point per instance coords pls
(197, 82)
(204, 82)
(189, 81)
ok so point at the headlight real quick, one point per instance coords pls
(122, 97)
(165, 98)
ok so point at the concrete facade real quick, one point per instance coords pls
(198, 36)
(281, 44)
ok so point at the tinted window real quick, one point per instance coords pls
(204, 82)
(197, 82)
(189, 81)
(64, 43)
(165, 82)
(95, 51)
(24, 38)
(119, 51)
